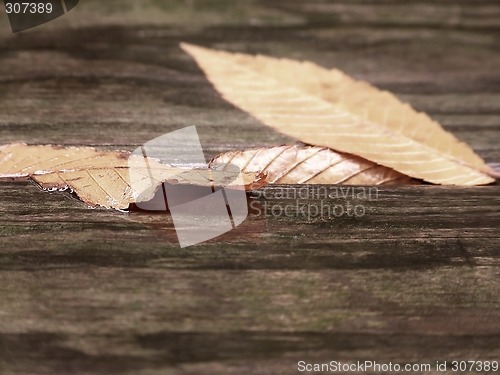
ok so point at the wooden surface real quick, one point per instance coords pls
(413, 280)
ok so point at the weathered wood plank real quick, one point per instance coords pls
(93, 291)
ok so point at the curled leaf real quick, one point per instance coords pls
(295, 164)
(102, 178)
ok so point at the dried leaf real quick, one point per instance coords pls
(295, 164)
(328, 108)
(101, 178)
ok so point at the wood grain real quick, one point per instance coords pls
(414, 279)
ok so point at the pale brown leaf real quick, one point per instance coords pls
(296, 164)
(328, 108)
(102, 178)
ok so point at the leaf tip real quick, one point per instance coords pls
(189, 48)
(494, 170)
